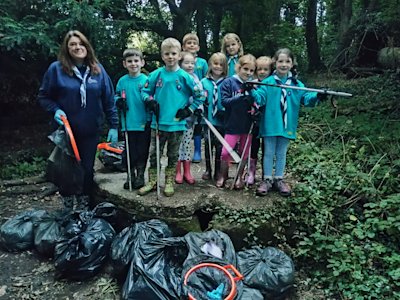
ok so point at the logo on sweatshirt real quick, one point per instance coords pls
(91, 80)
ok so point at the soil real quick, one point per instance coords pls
(27, 275)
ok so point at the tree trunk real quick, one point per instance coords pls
(314, 59)
(345, 12)
(201, 30)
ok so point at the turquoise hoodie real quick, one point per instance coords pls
(271, 123)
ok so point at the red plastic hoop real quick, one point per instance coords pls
(71, 138)
(224, 269)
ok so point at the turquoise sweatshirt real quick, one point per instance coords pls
(209, 89)
(200, 67)
(271, 123)
(136, 116)
(172, 90)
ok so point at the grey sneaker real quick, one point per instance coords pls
(264, 187)
(282, 187)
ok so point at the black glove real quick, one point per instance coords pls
(198, 112)
(151, 105)
(183, 113)
(322, 96)
(255, 115)
(248, 99)
(121, 104)
(246, 86)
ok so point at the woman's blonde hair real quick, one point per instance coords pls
(231, 36)
(245, 59)
(221, 57)
(66, 60)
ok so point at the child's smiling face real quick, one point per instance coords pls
(263, 70)
(283, 65)
(232, 47)
(171, 57)
(187, 63)
(246, 71)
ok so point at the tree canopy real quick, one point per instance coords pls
(332, 34)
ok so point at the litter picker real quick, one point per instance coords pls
(128, 158)
(232, 152)
(293, 87)
(212, 165)
(241, 157)
(71, 138)
(157, 115)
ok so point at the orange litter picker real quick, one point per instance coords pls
(224, 270)
(71, 138)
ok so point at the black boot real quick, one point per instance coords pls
(133, 178)
(139, 181)
(217, 167)
(82, 202)
(207, 174)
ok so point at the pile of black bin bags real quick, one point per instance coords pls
(146, 258)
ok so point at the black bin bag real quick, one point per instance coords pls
(127, 242)
(117, 217)
(154, 259)
(17, 234)
(85, 247)
(48, 231)
(269, 270)
(62, 167)
(155, 272)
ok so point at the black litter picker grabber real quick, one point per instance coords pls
(294, 87)
(158, 154)
(123, 107)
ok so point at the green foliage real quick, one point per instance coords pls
(342, 223)
(23, 167)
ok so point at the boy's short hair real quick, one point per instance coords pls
(132, 52)
(169, 43)
(189, 37)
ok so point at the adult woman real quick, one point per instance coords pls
(77, 87)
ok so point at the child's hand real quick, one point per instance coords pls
(183, 113)
(151, 105)
(247, 87)
(121, 104)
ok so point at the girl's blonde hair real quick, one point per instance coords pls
(245, 59)
(231, 36)
(264, 60)
(66, 60)
(186, 53)
(221, 57)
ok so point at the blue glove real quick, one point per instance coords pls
(57, 116)
(112, 135)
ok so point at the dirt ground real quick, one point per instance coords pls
(26, 275)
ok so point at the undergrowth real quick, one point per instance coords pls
(342, 224)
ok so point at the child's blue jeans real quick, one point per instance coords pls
(275, 147)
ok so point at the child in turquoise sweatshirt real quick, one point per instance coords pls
(132, 106)
(166, 93)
